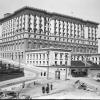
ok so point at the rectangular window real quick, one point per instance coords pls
(61, 54)
(43, 56)
(65, 62)
(22, 55)
(47, 63)
(96, 58)
(56, 56)
(43, 62)
(40, 56)
(16, 55)
(55, 62)
(37, 56)
(66, 56)
(36, 62)
(60, 62)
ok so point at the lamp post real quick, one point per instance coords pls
(98, 38)
(12, 56)
(19, 59)
(66, 66)
(85, 60)
(98, 49)
(66, 73)
(19, 92)
(48, 65)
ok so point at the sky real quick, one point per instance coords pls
(85, 9)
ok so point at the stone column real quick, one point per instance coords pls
(68, 73)
(69, 59)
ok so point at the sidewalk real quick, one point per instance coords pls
(58, 86)
(62, 89)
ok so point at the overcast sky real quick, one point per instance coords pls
(85, 9)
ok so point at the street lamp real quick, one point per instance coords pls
(85, 60)
(48, 65)
(19, 92)
(12, 56)
(66, 66)
(19, 58)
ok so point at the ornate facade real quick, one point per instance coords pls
(30, 28)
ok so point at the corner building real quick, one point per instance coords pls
(29, 28)
(48, 57)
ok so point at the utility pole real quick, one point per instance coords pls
(66, 73)
(19, 59)
(85, 60)
(66, 67)
(12, 56)
(48, 65)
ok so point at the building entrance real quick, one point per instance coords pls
(57, 74)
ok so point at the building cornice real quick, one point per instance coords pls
(86, 54)
(24, 9)
(52, 14)
(48, 49)
(74, 18)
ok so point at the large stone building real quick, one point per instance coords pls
(29, 28)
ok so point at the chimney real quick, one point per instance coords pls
(7, 14)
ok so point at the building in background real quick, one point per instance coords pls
(29, 28)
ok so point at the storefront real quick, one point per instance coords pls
(57, 74)
(79, 72)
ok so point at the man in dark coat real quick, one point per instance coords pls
(23, 85)
(44, 73)
(43, 89)
(41, 73)
(47, 85)
(51, 86)
(47, 88)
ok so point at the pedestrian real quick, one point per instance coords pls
(51, 86)
(47, 84)
(41, 73)
(44, 73)
(34, 82)
(43, 89)
(23, 85)
(47, 89)
(96, 89)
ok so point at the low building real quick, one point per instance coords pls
(61, 64)
(48, 57)
(51, 59)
